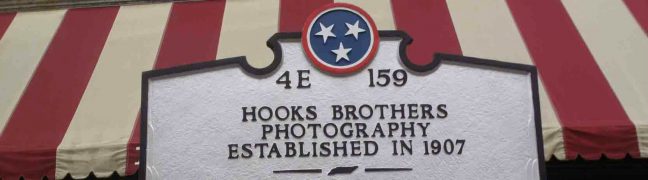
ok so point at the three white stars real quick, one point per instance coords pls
(341, 52)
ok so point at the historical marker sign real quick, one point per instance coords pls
(345, 102)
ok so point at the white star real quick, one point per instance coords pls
(354, 29)
(341, 53)
(325, 32)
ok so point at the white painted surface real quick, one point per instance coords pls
(194, 116)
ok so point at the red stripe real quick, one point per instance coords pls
(132, 154)
(5, 21)
(293, 13)
(41, 118)
(639, 9)
(429, 23)
(592, 117)
(191, 35)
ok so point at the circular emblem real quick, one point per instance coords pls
(340, 38)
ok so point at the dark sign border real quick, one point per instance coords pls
(273, 43)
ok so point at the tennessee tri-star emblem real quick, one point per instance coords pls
(340, 38)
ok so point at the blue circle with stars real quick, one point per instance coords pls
(340, 37)
(338, 20)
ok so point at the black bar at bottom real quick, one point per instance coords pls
(386, 169)
(299, 171)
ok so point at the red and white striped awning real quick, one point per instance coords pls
(70, 79)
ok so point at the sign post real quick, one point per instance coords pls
(345, 102)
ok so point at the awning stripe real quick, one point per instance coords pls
(615, 32)
(379, 10)
(486, 29)
(245, 34)
(41, 118)
(96, 138)
(191, 35)
(639, 9)
(5, 102)
(21, 49)
(133, 148)
(620, 49)
(593, 120)
(5, 21)
(429, 23)
(293, 13)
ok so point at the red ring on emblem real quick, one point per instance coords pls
(371, 53)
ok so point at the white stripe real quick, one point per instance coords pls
(21, 49)
(486, 29)
(247, 25)
(379, 10)
(98, 135)
(620, 48)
